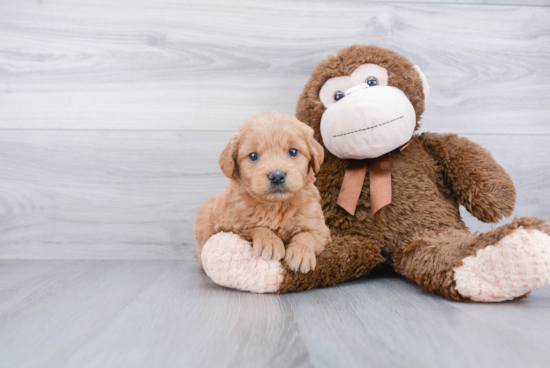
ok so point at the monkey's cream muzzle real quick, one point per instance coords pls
(368, 122)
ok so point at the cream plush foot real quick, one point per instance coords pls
(229, 261)
(517, 264)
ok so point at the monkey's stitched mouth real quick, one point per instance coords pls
(361, 130)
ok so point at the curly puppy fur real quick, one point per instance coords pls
(421, 233)
(273, 217)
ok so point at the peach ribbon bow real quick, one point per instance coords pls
(380, 183)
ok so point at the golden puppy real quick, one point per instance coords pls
(270, 199)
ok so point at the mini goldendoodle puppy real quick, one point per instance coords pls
(270, 199)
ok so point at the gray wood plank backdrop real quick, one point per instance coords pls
(113, 113)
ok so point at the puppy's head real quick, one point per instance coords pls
(273, 155)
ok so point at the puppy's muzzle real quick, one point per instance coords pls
(276, 177)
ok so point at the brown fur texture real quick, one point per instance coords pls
(430, 257)
(421, 233)
(400, 74)
(273, 217)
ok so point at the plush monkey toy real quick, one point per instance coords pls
(391, 197)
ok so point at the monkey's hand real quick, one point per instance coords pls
(480, 184)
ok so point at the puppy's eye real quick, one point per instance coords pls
(338, 95)
(293, 152)
(253, 156)
(371, 81)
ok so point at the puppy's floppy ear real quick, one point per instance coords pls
(316, 151)
(228, 157)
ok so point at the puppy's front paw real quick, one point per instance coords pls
(269, 247)
(300, 257)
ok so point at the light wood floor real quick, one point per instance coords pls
(169, 314)
(112, 117)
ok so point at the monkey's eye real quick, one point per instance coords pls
(253, 156)
(371, 81)
(293, 152)
(338, 95)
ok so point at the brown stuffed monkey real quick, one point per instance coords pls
(391, 197)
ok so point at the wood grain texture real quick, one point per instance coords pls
(134, 195)
(170, 314)
(476, 2)
(390, 322)
(87, 194)
(197, 65)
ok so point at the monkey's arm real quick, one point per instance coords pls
(480, 184)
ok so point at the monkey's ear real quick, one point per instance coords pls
(425, 85)
(316, 151)
(228, 157)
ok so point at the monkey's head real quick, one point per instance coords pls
(364, 102)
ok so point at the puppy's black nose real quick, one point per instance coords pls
(276, 177)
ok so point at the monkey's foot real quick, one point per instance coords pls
(229, 261)
(517, 264)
